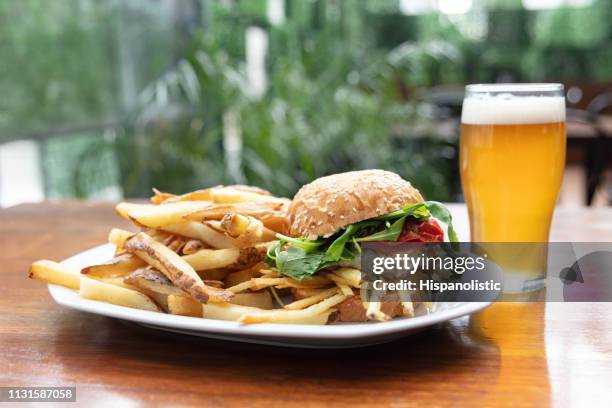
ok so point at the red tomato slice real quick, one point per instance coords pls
(421, 231)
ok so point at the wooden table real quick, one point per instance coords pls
(511, 354)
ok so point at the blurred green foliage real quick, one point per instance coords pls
(347, 86)
(334, 102)
(52, 53)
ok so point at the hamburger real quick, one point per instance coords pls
(332, 216)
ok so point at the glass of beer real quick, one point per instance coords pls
(512, 157)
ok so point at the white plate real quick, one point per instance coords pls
(333, 336)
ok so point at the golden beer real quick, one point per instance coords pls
(512, 156)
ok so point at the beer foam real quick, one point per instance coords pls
(506, 109)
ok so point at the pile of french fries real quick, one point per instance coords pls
(201, 254)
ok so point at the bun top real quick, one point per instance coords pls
(329, 203)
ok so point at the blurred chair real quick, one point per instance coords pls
(600, 158)
(448, 99)
(589, 129)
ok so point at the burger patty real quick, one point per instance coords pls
(352, 310)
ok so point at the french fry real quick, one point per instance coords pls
(341, 283)
(261, 300)
(201, 232)
(176, 244)
(241, 287)
(154, 281)
(282, 316)
(351, 276)
(231, 258)
(159, 197)
(158, 216)
(312, 282)
(345, 289)
(308, 301)
(118, 237)
(269, 273)
(174, 267)
(216, 226)
(165, 239)
(197, 195)
(192, 246)
(281, 282)
(120, 265)
(262, 283)
(184, 306)
(251, 189)
(275, 221)
(408, 309)
(124, 208)
(231, 195)
(55, 273)
(160, 300)
(227, 311)
(219, 194)
(336, 279)
(203, 194)
(288, 285)
(243, 275)
(159, 235)
(118, 281)
(218, 211)
(236, 224)
(214, 283)
(301, 293)
(117, 295)
(373, 312)
(213, 274)
(245, 230)
(212, 258)
(295, 316)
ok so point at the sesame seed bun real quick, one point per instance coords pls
(330, 203)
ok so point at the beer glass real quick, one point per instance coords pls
(512, 157)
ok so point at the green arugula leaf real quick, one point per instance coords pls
(356, 244)
(335, 250)
(439, 211)
(270, 258)
(418, 211)
(306, 244)
(391, 233)
(297, 263)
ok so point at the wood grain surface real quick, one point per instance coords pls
(511, 354)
